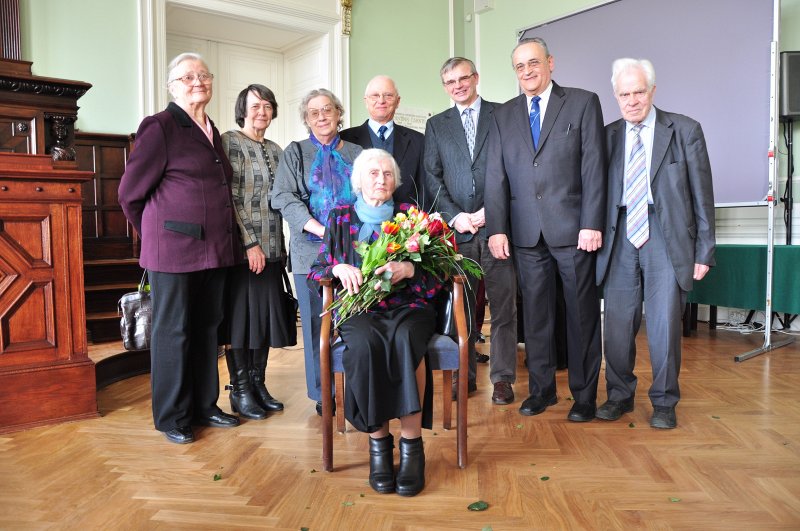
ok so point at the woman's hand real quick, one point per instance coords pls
(257, 259)
(349, 276)
(400, 271)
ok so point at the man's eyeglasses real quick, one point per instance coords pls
(533, 64)
(388, 96)
(190, 78)
(453, 82)
(327, 111)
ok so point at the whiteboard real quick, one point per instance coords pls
(712, 61)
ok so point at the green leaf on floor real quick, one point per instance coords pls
(519, 426)
(217, 477)
(303, 529)
(362, 495)
(478, 506)
(533, 464)
(502, 409)
(544, 478)
(631, 425)
(715, 417)
(487, 528)
(673, 499)
(348, 504)
(313, 470)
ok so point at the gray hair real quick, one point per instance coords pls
(626, 63)
(454, 62)
(363, 161)
(186, 56)
(529, 40)
(320, 92)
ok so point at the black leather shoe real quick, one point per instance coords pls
(318, 407)
(614, 409)
(381, 464)
(472, 387)
(411, 472)
(182, 435)
(663, 418)
(217, 420)
(533, 405)
(581, 412)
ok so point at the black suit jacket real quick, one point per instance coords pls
(408, 149)
(456, 182)
(556, 190)
(683, 193)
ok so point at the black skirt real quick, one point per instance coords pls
(254, 302)
(380, 362)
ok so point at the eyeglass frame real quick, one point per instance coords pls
(327, 111)
(203, 77)
(375, 97)
(450, 83)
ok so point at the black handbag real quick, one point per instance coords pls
(445, 317)
(283, 321)
(136, 309)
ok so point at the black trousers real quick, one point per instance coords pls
(187, 311)
(537, 268)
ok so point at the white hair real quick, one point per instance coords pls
(626, 63)
(361, 167)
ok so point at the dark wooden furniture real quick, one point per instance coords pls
(444, 354)
(45, 372)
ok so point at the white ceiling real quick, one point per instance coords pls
(216, 27)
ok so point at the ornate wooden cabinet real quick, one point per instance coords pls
(45, 372)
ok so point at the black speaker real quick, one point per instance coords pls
(790, 85)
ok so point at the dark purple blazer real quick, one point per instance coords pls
(176, 192)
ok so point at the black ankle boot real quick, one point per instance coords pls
(381, 464)
(243, 401)
(411, 474)
(258, 378)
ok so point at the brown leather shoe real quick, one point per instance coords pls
(503, 393)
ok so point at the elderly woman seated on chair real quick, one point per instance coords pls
(384, 360)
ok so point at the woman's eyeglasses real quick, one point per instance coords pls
(190, 78)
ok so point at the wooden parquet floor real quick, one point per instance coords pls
(733, 462)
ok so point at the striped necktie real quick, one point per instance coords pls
(382, 133)
(469, 129)
(638, 229)
(536, 125)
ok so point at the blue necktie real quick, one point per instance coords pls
(638, 229)
(382, 133)
(536, 126)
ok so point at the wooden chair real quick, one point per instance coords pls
(444, 354)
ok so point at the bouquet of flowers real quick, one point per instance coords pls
(414, 236)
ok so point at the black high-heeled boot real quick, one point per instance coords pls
(381, 464)
(258, 378)
(411, 475)
(243, 401)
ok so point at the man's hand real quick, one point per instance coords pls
(700, 271)
(478, 218)
(349, 276)
(590, 240)
(463, 223)
(498, 245)
(257, 259)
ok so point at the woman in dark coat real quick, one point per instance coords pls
(176, 192)
(384, 360)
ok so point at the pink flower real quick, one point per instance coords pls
(412, 244)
